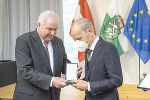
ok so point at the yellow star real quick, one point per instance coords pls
(145, 41)
(133, 35)
(138, 40)
(141, 12)
(135, 15)
(131, 21)
(131, 29)
(148, 13)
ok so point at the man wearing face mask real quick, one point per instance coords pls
(103, 73)
(40, 58)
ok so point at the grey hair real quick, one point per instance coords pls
(84, 24)
(45, 15)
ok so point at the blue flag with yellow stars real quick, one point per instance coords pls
(137, 29)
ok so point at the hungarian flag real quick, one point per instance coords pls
(83, 11)
(112, 28)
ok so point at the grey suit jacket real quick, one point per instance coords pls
(34, 71)
(104, 72)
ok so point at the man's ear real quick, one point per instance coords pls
(90, 30)
(38, 24)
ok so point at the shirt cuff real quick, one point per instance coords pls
(89, 89)
(51, 85)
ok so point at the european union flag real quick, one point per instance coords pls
(137, 29)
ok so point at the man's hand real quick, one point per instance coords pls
(59, 82)
(143, 75)
(79, 70)
(81, 85)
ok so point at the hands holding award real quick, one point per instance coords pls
(71, 77)
(72, 73)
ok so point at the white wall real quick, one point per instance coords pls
(20, 17)
(129, 60)
(1, 25)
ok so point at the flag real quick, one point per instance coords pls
(137, 29)
(83, 11)
(112, 28)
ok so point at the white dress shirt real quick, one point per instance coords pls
(50, 50)
(92, 48)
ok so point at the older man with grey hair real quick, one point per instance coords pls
(40, 58)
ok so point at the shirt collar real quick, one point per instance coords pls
(94, 43)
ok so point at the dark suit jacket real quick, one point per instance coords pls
(34, 72)
(104, 72)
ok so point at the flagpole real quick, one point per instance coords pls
(139, 69)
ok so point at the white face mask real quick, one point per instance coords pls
(81, 45)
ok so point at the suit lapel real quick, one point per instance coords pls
(55, 54)
(39, 46)
(96, 51)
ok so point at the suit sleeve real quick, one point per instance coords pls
(25, 65)
(113, 70)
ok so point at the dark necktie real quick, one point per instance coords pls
(89, 51)
(46, 49)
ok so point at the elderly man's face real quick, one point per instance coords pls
(48, 30)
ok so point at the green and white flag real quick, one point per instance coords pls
(113, 26)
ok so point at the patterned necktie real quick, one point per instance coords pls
(46, 48)
(89, 55)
